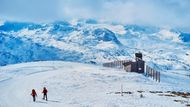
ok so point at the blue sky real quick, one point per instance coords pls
(167, 13)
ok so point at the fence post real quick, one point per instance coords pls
(159, 77)
(121, 90)
(151, 72)
(121, 65)
(146, 70)
(154, 74)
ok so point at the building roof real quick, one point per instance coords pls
(128, 63)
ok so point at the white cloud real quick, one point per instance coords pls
(1, 22)
(173, 13)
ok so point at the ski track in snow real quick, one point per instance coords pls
(79, 85)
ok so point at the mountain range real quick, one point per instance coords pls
(91, 41)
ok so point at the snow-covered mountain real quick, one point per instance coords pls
(90, 41)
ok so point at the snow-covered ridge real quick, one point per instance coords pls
(166, 34)
(93, 42)
(69, 41)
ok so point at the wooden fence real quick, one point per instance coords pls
(115, 64)
(150, 72)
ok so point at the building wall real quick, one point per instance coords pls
(140, 66)
(128, 68)
(137, 66)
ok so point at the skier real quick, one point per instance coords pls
(34, 95)
(45, 93)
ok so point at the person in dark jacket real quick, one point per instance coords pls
(45, 91)
(34, 95)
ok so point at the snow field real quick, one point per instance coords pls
(79, 85)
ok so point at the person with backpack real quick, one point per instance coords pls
(34, 95)
(45, 93)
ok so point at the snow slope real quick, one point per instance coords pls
(82, 85)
